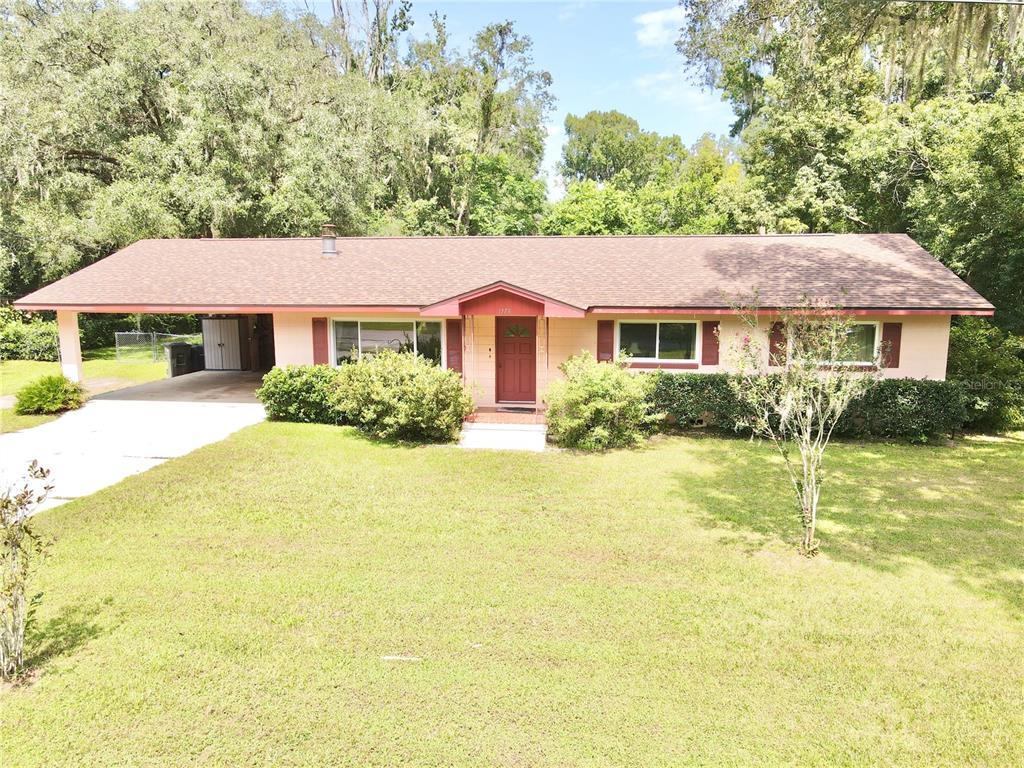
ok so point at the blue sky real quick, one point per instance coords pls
(601, 55)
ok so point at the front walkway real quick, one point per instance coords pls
(122, 433)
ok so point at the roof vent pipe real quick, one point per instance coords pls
(328, 240)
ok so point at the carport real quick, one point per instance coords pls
(231, 342)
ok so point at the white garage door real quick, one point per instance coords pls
(221, 345)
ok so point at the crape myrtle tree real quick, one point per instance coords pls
(20, 548)
(794, 389)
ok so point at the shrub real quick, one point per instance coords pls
(990, 365)
(48, 394)
(909, 409)
(303, 393)
(23, 339)
(691, 399)
(395, 395)
(599, 405)
(906, 409)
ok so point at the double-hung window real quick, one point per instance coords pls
(355, 338)
(863, 338)
(656, 341)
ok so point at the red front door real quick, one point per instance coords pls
(516, 342)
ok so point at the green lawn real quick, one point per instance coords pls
(103, 373)
(638, 608)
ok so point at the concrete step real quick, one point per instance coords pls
(504, 437)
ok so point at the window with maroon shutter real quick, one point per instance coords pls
(320, 356)
(892, 334)
(709, 343)
(454, 345)
(605, 340)
(777, 345)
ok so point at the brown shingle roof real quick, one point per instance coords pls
(857, 271)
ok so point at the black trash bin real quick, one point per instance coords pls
(179, 358)
(197, 358)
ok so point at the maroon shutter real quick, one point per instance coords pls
(605, 340)
(453, 344)
(320, 356)
(777, 345)
(709, 343)
(892, 333)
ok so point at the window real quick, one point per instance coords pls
(864, 341)
(353, 338)
(659, 341)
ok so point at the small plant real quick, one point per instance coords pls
(599, 405)
(20, 548)
(48, 394)
(393, 395)
(302, 393)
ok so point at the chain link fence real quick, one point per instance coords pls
(146, 346)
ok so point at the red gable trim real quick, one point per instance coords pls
(454, 305)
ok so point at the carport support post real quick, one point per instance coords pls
(70, 346)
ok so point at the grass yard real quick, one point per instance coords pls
(103, 373)
(245, 605)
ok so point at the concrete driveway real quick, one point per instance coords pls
(121, 433)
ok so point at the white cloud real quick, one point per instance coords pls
(671, 86)
(569, 12)
(658, 29)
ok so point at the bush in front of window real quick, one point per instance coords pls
(599, 406)
(302, 393)
(903, 409)
(907, 409)
(48, 394)
(401, 396)
(695, 399)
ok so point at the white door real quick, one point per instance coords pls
(221, 344)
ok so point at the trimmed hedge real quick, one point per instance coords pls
(906, 409)
(302, 393)
(48, 394)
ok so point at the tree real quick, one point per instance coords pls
(607, 146)
(20, 548)
(798, 407)
(592, 209)
(896, 51)
(192, 119)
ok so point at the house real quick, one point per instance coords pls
(507, 311)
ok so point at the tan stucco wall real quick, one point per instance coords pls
(293, 338)
(478, 364)
(924, 348)
(925, 342)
